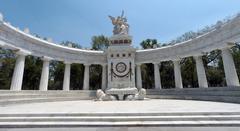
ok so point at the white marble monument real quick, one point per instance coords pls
(121, 64)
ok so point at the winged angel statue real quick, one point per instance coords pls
(120, 25)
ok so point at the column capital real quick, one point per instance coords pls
(156, 63)
(22, 52)
(87, 64)
(67, 62)
(138, 64)
(46, 58)
(197, 56)
(103, 64)
(176, 59)
(227, 46)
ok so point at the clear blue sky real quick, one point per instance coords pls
(79, 20)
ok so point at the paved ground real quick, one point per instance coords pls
(147, 106)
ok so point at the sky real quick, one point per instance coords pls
(79, 20)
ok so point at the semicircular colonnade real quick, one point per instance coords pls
(23, 43)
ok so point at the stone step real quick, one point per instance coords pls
(86, 96)
(232, 99)
(29, 99)
(48, 124)
(5, 102)
(23, 92)
(198, 89)
(220, 93)
(121, 118)
(2, 97)
(119, 114)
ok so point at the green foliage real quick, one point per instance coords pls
(71, 44)
(7, 61)
(32, 73)
(56, 75)
(100, 42)
(236, 57)
(95, 77)
(77, 75)
(147, 71)
(166, 72)
(57, 72)
(189, 73)
(149, 43)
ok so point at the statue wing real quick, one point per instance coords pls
(122, 14)
(113, 19)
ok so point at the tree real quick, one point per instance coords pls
(189, 73)
(71, 44)
(149, 44)
(148, 69)
(7, 62)
(167, 74)
(32, 73)
(214, 68)
(100, 42)
(147, 75)
(57, 72)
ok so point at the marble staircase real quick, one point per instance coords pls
(120, 119)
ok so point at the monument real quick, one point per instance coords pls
(121, 65)
(187, 109)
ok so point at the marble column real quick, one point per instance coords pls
(45, 74)
(157, 76)
(229, 68)
(17, 78)
(104, 76)
(139, 76)
(202, 79)
(86, 77)
(66, 79)
(177, 74)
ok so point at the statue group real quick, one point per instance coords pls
(120, 25)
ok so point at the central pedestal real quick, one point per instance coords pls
(121, 70)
